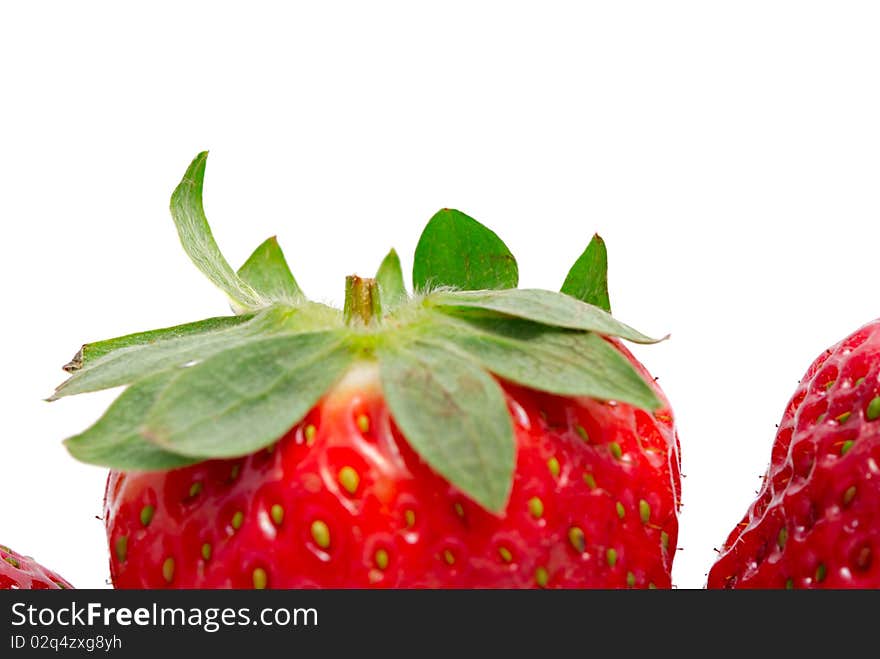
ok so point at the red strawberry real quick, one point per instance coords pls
(343, 501)
(816, 520)
(470, 435)
(19, 572)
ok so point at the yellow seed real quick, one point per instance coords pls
(505, 554)
(363, 423)
(621, 511)
(410, 517)
(615, 449)
(261, 579)
(611, 556)
(206, 551)
(233, 473)
(381, 558)
(553, 466)
(237, 520)
(459, 509)
(589, 480)
(168, 569)
(576, 538)
(541, 577)
(849, 495)
(310, 433)
(277, 514)
(630, 579)
(536, 507)
(583, 433)
(781, 537)
(644, 511)
(349, 479)
(147, 515)
(664, 540)
(449, 557)
(321, 534)
(122, 548)
(195, 489)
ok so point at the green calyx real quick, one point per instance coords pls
(228, 386)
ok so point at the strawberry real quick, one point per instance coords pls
(816, 520)
(19, 572)
(469, 435)
(343, 501)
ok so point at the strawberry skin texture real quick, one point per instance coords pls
(19, 572)
(816, 520)
(342, 501)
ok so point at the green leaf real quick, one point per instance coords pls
(198, 242)
(454, 415)
(115, 440)
(169, 349)
(244, 398)
(90, 352)
(457, 251)
(267, 272)
(392, 291)
(127, 359)
(563, 362)
(588, 278)
(546, 307)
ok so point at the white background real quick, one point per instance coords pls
(729, 153)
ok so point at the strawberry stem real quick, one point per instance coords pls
(361, 300)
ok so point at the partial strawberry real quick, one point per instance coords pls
(472, 434)
(816, 520)
(19, 572)
(342, 500)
